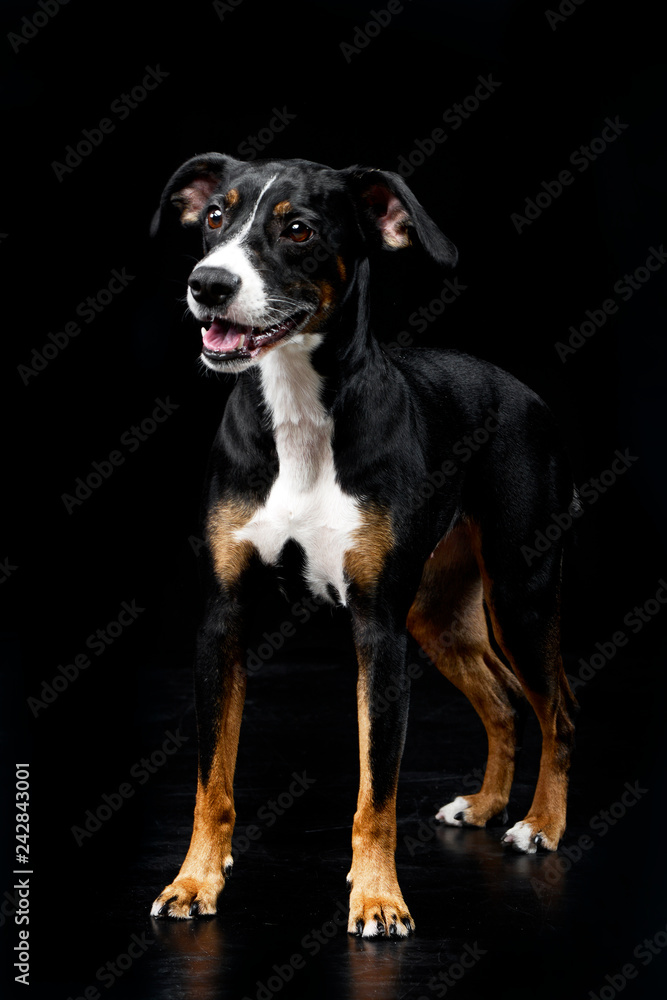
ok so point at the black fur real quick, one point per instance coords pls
(400, 419)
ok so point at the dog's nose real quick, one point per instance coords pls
(213, 286)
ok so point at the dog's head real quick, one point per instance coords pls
(282, 241)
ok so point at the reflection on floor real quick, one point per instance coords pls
(489, 921)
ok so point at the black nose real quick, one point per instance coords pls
(213, 286)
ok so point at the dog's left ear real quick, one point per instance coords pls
(390, 204)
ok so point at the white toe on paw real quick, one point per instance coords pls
(449, 812)
(522, 838)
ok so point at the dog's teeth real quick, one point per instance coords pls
(203, 331)
(242, 340)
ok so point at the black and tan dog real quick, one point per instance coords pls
(325, 442)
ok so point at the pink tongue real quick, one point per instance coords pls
(223, 337)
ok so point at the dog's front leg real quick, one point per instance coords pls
(220, 683)
(376, 904)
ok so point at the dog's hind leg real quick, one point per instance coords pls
(524, 604)
(447, 619)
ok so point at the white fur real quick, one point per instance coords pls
(305, 503)
(447, 813)
(370, 929)
(250, 304)
(522, 837)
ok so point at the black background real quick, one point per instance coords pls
(134, 537)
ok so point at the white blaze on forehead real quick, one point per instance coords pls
(249, 305)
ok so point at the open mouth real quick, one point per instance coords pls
(227, 341)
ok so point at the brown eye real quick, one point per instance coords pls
(298, 232)
(214, 218)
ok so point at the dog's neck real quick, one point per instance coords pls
(302, 427)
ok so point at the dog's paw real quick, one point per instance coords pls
(475, 810)
(378, 913)
(186, 898)
(530, 834)
(453, 814)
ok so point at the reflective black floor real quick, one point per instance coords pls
(489, 921)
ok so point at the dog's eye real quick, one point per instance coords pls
(298, 232)
(214, 218)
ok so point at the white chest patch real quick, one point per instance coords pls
(306, 503)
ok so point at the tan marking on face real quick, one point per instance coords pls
(327, 299)
(372, 541)
(282, 208)
(327, 295)
(230, 556)
(342, 270)
(231, 198)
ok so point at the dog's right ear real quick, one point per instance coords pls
(192, 185)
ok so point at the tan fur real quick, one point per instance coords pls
(372, 541)
(375, 896)
(342, 270)
(230, 556)
(201, 878)
(548, 809)
(447, 620)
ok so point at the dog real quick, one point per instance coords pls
(325, 442)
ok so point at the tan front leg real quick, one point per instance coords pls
(376, 903)
(195, 890)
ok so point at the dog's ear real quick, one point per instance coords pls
(192, 185)
(391, 206)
